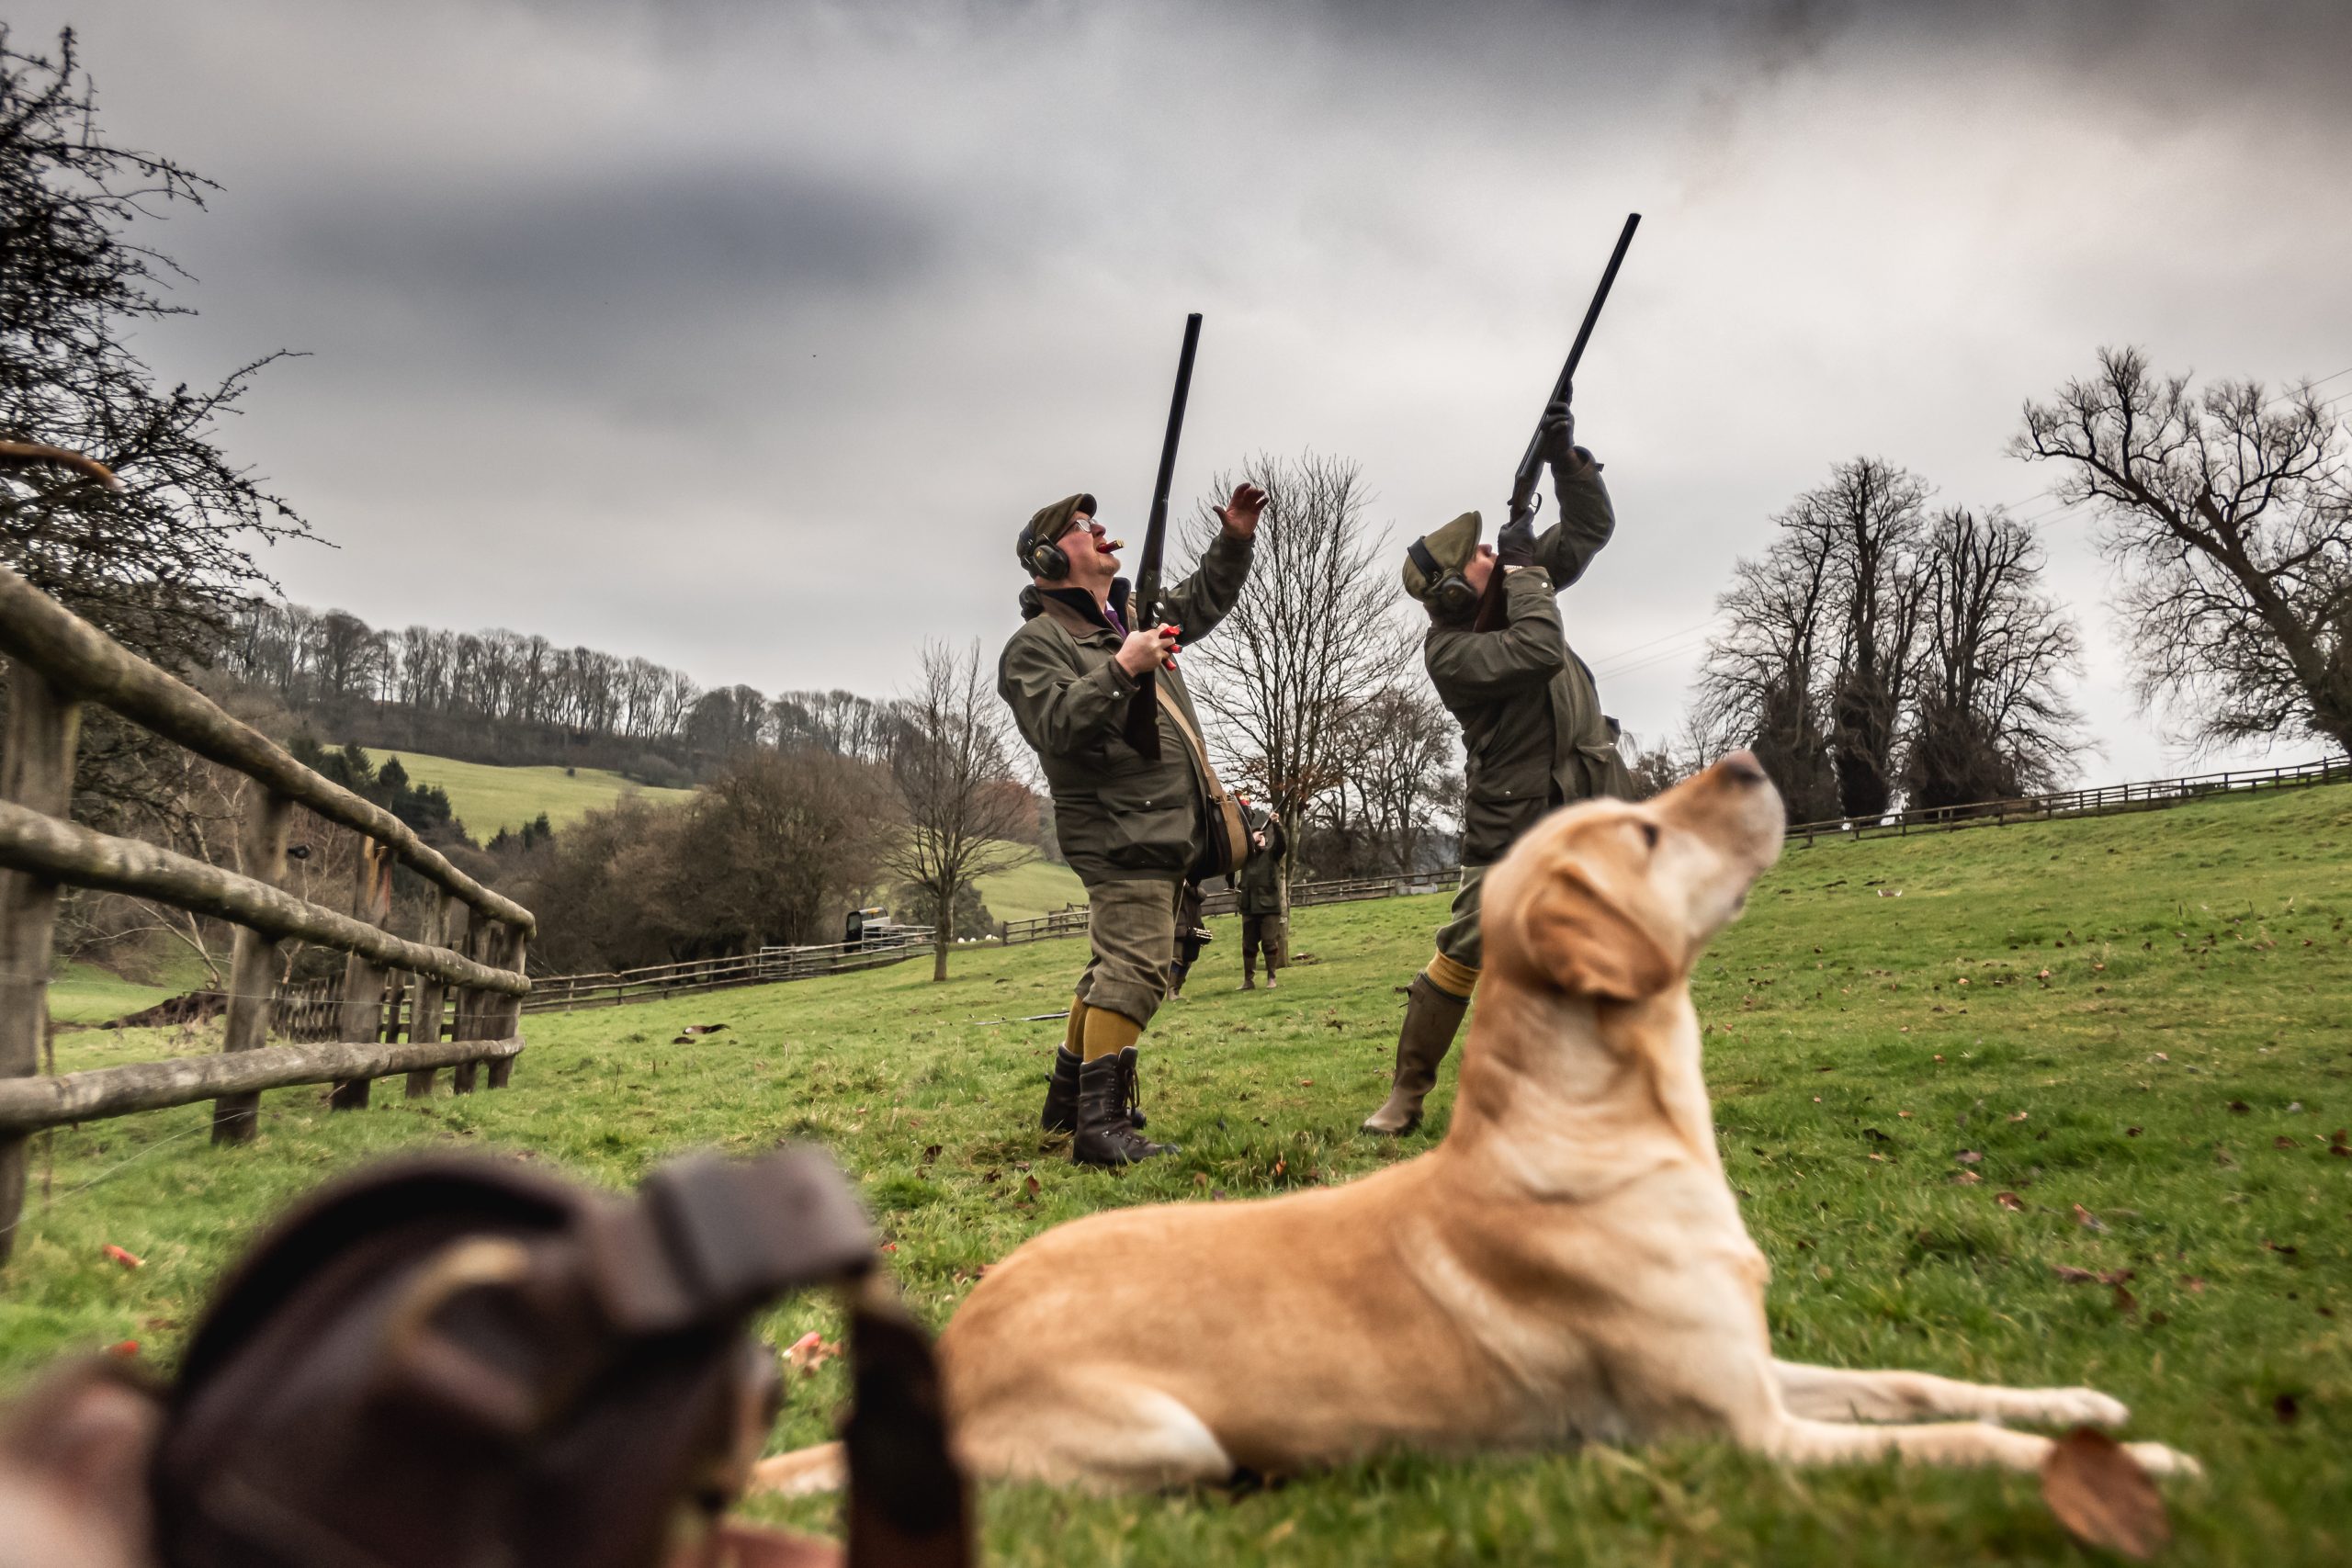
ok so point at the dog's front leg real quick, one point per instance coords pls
(1836, 1394)
(1797, 1440)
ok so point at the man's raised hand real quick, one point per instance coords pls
(1557, 436)
(1240, 516)
(1145, 651)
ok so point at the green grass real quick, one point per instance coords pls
(1028, 891)
(487, 797)
(85, 992)
(2197, 960)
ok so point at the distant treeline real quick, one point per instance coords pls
(504, 698)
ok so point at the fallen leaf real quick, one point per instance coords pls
(2071, 1275)
(2099, 1493)
(2284, 1249)
(2195, 1286)
(1969, 1157)
(1200, 1179)
(2019, 1115)
(811, 1352)
(1966, 1178)
(128, 1260)
(1905, 1114)
(1880, 1158)
(2010, 1201)
(1029, 1185)
(2282, 1142)
(2043, 976)
(2088, 1220)
(2286, 1408)
(129, 1347)
(2125, 1301)
(2239, 1108)
(2131, 1132)
(1280, 1164)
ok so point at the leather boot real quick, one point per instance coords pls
(1105, 1136)
(1061, 1091)
(1432, 1017)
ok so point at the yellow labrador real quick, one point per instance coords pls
(1568, 1264)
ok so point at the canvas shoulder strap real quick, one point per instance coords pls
(1228, 834)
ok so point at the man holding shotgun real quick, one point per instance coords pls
(1532, 726)
(1092, 680)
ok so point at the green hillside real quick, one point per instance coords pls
(487, 797)
(2142, 1019)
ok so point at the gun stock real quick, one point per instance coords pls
(1143, 604)
(1523, 499)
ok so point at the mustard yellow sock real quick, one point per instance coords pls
(1108, 1033)
(1074, 1032)
(1453, 979)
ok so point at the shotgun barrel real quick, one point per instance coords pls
(1143, 604)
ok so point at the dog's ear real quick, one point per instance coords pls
(1588, 945)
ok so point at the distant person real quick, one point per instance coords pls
(1134, 830)
(1263, 899)
(1531, 717)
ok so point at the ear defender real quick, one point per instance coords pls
(1045, 560)
(1449, 593)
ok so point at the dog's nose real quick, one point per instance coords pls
(1741, 767)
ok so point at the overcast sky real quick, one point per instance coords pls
(742, 336)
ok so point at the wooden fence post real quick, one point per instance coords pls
(253, 970)
(482, 936)
(44, 724)
(425, 1012)
(362, 1017)
(509, 1009)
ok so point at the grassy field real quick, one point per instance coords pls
(1027, 891)
(487, 797)
(2142, 1019)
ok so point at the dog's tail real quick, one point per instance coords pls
(32, 454)
(803, 1473)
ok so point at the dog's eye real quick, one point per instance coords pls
(1649, 834)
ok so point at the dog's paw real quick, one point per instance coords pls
(2070, 1407)
(2158, 1459)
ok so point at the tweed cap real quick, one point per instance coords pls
(1451, 546)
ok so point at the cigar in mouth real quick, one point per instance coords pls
(1115, 544)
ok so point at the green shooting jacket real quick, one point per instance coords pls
(1531, 717)
(1117, 815)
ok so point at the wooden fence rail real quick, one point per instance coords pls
(470, 964)
(563, 993)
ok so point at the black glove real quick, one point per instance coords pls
(1515, 546)
(1556, 439)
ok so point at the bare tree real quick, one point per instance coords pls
(953, 768)
(1759, 683)
(161, 565)
(1400, 761)
(2231, 516)
(1816, 662)
(1311, 639)
(1991, 720)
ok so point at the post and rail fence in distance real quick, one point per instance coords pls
(465, 978)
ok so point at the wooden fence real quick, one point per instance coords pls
(562, 993)
(2100, 800)
(771, 965)
(468, 965)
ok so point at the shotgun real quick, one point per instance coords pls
(1143, 604)
(1525, 502)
